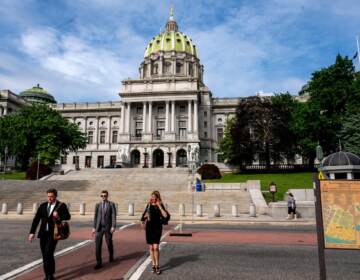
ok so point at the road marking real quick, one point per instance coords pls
(32, 265)
(140, 270)
(28, 267)
(146, 260)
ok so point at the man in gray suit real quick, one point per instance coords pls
(104, 224)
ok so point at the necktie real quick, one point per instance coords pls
(103, 214)
(48, 209)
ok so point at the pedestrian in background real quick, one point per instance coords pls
(154, 216)
(291, 203)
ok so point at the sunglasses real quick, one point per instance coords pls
(103, 195)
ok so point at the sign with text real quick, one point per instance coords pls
(340, 207)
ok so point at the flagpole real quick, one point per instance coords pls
(358, 50)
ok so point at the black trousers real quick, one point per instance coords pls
(109, 243)
(48, 245)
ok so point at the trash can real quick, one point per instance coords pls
(198, 186)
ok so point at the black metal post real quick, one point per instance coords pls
(145, 160)
(169, 161)
(319, 228)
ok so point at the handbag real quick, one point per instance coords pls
(165, 220)
(62, 229)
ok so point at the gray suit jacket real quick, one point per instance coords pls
(110, 216)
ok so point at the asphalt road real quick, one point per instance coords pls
(16, 250)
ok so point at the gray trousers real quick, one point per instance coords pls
(109, 243)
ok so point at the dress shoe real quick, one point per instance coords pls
(98, 266)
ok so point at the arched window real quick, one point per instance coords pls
(179, 67)
(155, 69)
(167, 67)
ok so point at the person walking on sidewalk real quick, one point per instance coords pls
(49, 213)
(104, 224)
(153, 218)
(291, 203)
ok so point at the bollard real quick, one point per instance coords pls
(4, 208)
(131, 209)
(235, 211)
(252, 210)
(199, 210)
(35, 207)
(82, 208)
(217, 210)
(182, 210)
(19, 208)
(117, 208)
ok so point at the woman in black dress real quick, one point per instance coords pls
(152, 218)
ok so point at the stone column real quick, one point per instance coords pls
(144, 117)
(5, 111)
(189, 117)
(167, 117)
(122, 121)
(195, 116)
(110, 133)
(1, 111)
(97, 133)
(150, 117)
(161, 66)
(172, 116)
(128, 121)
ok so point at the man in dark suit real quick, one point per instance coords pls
(48, 213)
(104, 224)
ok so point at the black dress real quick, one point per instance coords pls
(153, 225)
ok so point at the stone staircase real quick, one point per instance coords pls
(124, 186)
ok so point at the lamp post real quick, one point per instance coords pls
(5, 158)
(193, 162)
(145, 158)
(38, 165)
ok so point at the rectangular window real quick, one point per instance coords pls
(90, 137)
(139, 110)
(220, 133)
(205, 124)
(100, 162)
(182, 124)
(138, 132)
(87, 161)
(160, 110)
(160, 132)
(182, 109)
(205, 134)
(182, 132)
(191, 69)
(114, 136)
(63, 159)
(205, 114)
(112, 160)
(102, 137)
(139, 124)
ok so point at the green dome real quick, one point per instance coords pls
(171, 41)
(38, 95)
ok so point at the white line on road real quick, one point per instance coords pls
(30, 266)
(141, 268)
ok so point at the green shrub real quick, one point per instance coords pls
(209, 171)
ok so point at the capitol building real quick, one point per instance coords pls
(164, 118)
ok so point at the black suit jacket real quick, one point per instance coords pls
(41, 215)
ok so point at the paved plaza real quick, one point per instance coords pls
(215, 251)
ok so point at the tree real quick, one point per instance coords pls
(261, 130)
(331, 89)
(350, 133)
(38, 130)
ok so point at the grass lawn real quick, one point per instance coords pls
(13, 176)
(283, 181)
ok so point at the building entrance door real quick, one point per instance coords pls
(158, 158)
(87, 161)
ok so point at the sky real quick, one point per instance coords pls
(81, 50)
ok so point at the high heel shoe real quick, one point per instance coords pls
(153, 269)
(158, 271)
